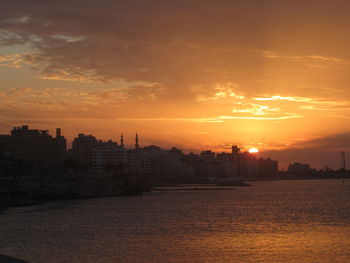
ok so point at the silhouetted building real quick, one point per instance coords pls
(175, 167)
(121, 140)
(109, 158)
(137, 142)
(267, 167)
(218, 167)
(29, 150)
(247, 165)
(31, 145)
(4, 144)
(82, 148)
(59, 148)
(207, 156)
(229, 163)
(299, 169)
(134, 163)
(152, 160)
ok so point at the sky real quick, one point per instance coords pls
(195, 74)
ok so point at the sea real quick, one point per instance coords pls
(270, 221)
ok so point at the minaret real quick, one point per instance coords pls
(58, 132)
(136, 142)
(121, 140)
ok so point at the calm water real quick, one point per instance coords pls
(284, 221)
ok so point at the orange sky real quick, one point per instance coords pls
(195, 74)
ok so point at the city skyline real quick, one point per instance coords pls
(272, 75)
(130, 142)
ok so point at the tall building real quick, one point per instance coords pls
(36, 147)
(31, 145)
(137, 142)
(82, 148)
(121, 140)
(247, 165)
(4, 144)
(59, 148)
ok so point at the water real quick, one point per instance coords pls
(282, 221)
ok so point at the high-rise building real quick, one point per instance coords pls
(122, 140)
(247, 166)
(137, 142)
(4, 144)
(82, 148)
(31, 145)
(59, 148)
(34, 146)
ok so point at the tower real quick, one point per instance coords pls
(121, 140)
(343, 163)
(58, 132)
(136, 142)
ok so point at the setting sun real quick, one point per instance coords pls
(253, 150)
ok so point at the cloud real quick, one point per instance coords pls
(179, 45)
(319, 152)
(222, 93)
(288, 116)
(68, 99)
(306, 59)
(13, 60)
(256, 109)
(310, 104)
(277, 97)
(213, 119)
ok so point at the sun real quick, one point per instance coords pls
(253, 150)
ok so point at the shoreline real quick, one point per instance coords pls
(24, 192)
(16, 202)
(22, 197)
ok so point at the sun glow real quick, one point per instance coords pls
(253, 150)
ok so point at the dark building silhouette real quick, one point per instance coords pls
(31, 145)
(267, 168)
(82, 148)
(137, 142)
(152, 160)
(298, 169)
(207, 155)
(59, 148)
(89, 156)
(27, 150)
(175, 166)
(109, 158)
(4, 144)
(122, 140)
(247, 165)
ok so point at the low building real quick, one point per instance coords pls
(299, 169)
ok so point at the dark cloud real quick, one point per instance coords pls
(176, 43)
(320, 152)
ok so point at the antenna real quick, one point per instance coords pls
(343, 161)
